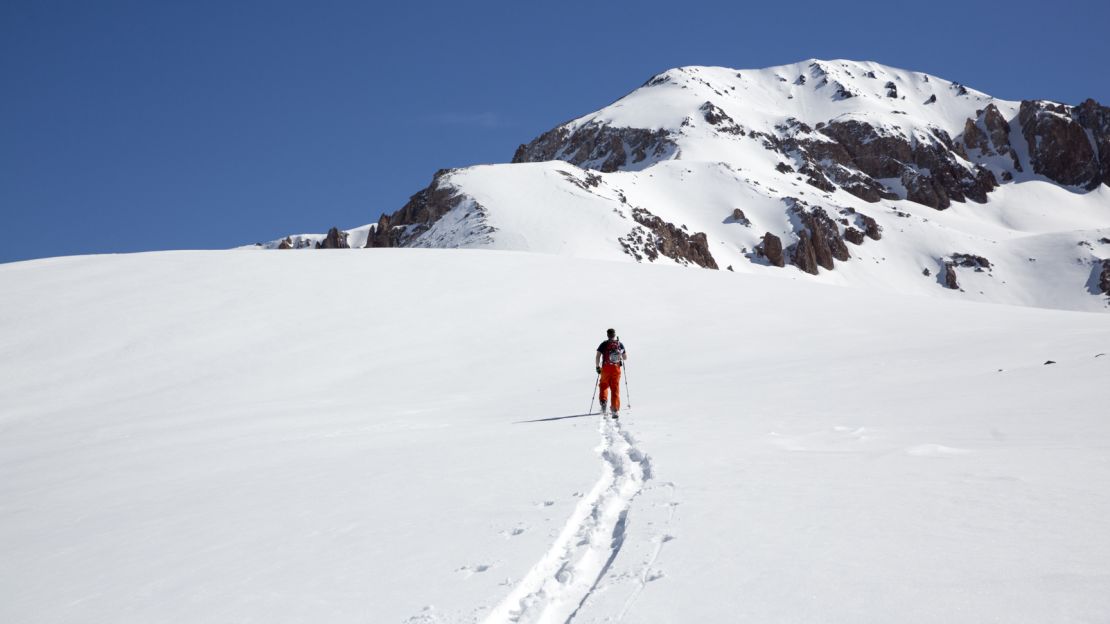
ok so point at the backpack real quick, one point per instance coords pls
(611, 351)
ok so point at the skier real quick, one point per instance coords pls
(608, 360)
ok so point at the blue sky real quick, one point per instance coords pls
(139, 125)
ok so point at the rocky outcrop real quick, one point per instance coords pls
(720, 120)
(1104, 277)
(334, 240)
(854, 236)
(654, 237)
(989, 133)
(853, 155)
(771, 249)
(861, 186)
(819, 241)
(825, 164)
(979, 263)
(971, 261)
(294, 242)
(738, 216)
(870, 227)
(1096, 118)
(1069, 145)
(599, 146)
(932, 175)
(975, 138)
(950, 280)
(415, 217)
(999, 131)
(803, 256)
(589, 181)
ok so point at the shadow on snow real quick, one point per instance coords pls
(553, 418)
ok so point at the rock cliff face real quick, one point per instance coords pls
(990, 134)
(1068, 144)
(417, 216)
(927, 165)
(855, 155)
(599, 146)
(819, 239)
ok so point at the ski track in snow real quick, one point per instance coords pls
(554, 589)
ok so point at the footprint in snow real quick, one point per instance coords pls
(469, 571)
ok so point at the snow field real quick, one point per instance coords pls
(398, 435)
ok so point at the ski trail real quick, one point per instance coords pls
(553, 590)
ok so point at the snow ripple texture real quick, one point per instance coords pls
(560, 583)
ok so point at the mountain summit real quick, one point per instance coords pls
(848, 172)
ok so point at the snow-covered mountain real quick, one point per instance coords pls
(845, 172)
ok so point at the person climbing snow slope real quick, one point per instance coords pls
(608, 360)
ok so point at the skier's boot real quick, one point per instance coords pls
(616, 415)
(604, 407)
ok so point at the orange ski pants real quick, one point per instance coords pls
(611, 380)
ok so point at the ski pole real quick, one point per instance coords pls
(627, 392)
(594, 393)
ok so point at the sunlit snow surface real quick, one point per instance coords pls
(398, 436)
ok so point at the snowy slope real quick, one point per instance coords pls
(695, 144)
(398, 436)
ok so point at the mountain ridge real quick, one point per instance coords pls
(799, 167)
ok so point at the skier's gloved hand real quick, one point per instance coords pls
(598, 370)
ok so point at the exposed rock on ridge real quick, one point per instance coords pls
(720, 120)
(417, 216)
(598, 146)
(926, 166)
(334, 240)
(1059, 146)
